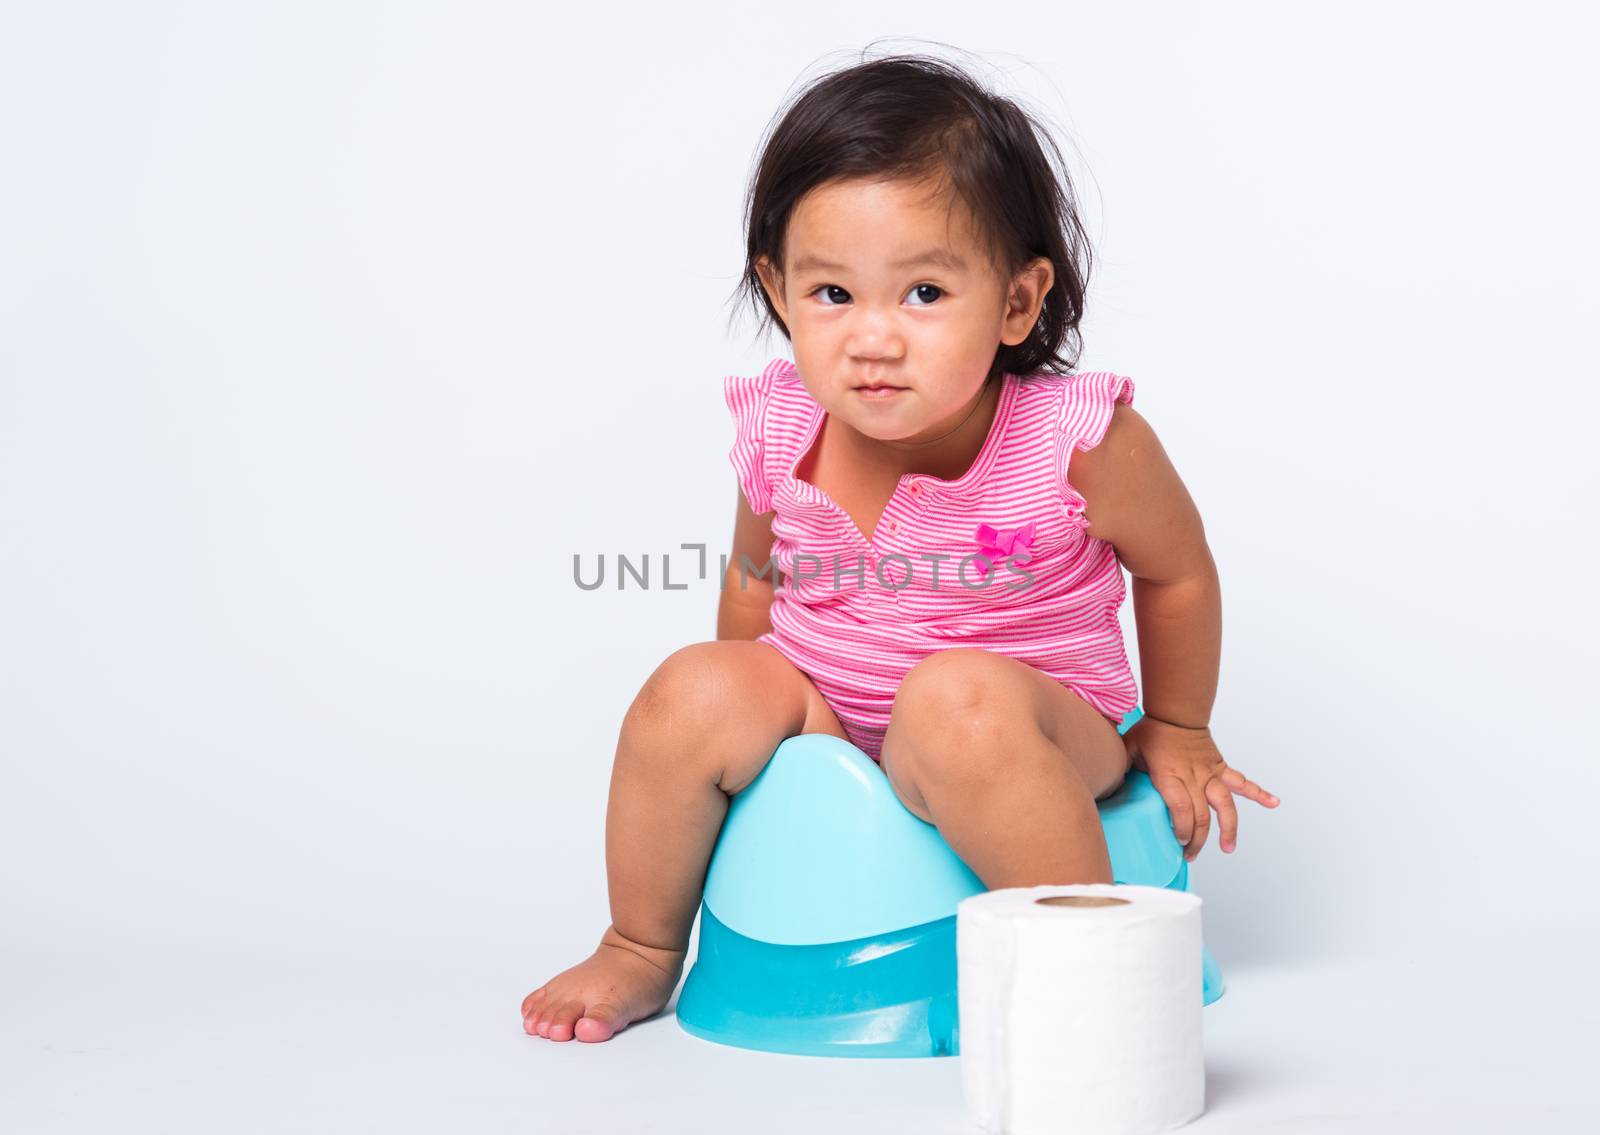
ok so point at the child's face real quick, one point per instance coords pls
(856, 314)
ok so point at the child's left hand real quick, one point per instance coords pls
(1187, 769)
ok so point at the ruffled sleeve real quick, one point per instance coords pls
(1086, 405)
(747, 397)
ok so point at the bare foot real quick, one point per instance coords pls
(622, 981)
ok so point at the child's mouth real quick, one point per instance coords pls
(879, 393)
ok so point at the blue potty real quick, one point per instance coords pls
(828, 925)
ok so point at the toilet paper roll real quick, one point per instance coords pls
(1080, 1009)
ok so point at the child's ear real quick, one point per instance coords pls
(772, 282)
(1026, 299)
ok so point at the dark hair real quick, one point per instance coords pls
(916, 117)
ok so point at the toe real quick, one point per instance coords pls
(532, 1001)
(554, 1014)
(600, 1021)
(561, 1022)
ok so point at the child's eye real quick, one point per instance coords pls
(825, 289)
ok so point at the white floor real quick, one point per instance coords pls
(214, 1040)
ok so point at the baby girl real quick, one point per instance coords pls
(934, 513)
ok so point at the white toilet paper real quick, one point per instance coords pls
(1080, 1014)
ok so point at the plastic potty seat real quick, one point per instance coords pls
(827, 922)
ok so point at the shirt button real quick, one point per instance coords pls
(894, 526)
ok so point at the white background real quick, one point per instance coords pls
(330, 332)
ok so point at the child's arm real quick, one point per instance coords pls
(1135, 500)
(742, 609)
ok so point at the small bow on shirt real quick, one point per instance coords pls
(998, 543)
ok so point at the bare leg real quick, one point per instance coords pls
(701, 729)
(1007, 763)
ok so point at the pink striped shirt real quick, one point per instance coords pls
(856, 614)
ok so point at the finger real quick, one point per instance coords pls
(1227, 814)
(1236, 781)
(1202, 824)
(1179, 805)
